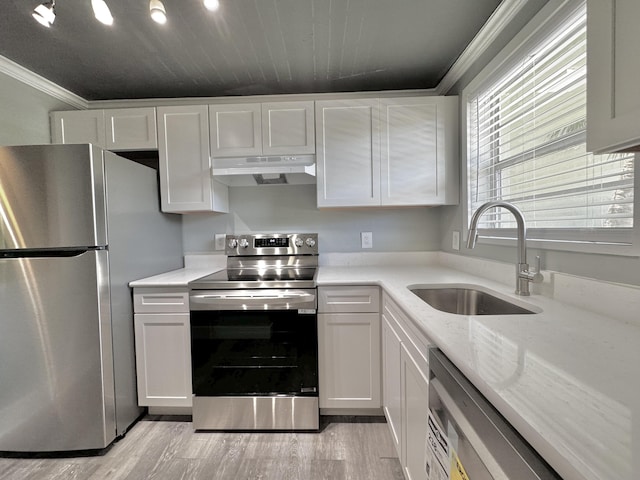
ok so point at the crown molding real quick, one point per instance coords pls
(181, 101)
(496, 23)
(18, 72)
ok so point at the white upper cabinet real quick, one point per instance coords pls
(79, 126)
(348, 153)
(131, 129)
(419, 146)
(184, 162)
(613, 69)
(117, 129)
(236, 130)
(389, 151)
(288, 128)
(254, 129)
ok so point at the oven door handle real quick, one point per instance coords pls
(239, 299)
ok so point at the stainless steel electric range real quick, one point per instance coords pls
(254, 341)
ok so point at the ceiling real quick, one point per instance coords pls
(247, 47)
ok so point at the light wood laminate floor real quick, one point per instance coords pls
(162, 448)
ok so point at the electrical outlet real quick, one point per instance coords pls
(455, 240)
(220, 238)
(366, 239)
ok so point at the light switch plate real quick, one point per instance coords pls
(366, 239)
(455, 240)
(220, 238)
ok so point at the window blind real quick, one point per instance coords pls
(526, 145)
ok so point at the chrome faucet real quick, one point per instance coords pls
(523, 274)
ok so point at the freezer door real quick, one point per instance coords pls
(51, 196)
(56, 360)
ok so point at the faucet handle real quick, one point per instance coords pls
(537, 275)
(533, 276)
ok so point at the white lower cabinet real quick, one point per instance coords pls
(391, 383)
(405, 387)
(415, 408)
(163, 347)
(349, 347)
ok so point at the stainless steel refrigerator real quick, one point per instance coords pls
(76, 225)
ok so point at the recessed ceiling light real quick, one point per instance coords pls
(102, 12)
(45, 13)
(157, 11)
(212, 5)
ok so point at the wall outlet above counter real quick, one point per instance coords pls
(366, 239)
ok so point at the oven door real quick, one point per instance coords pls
(254, 368)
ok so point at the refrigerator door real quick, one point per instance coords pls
(51, 196)
(56, 360)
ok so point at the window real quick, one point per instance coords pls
(526, 145)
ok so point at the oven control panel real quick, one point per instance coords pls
(272, 244)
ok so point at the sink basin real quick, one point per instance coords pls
(467, 301)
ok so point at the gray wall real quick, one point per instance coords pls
(273, 208)
(24, 115)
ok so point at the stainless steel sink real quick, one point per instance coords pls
(467, 301)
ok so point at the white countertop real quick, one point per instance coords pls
(196, 266)
(175, 278)
(568, 379)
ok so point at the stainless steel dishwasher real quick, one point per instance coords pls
(467, 437)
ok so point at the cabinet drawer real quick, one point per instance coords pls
(160, 300)
(349, 299)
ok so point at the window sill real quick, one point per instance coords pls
(600, 248)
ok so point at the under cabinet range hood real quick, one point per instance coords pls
(265, 170)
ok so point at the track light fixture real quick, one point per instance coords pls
(102, 12)
(211, 5)
(45, 13)
(157, 11)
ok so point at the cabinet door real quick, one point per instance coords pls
(163, 360)
(349, 360)
(391, 383)
(235, 130)
(79, 126)
(185, 176)
(419, 151)
(415, 410)
(348, 153)
(131, 129)
(613, 68)
(288, 128)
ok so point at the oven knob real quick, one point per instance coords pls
(244, 243)
(310, 242)
(299, 243)
(233, 243)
